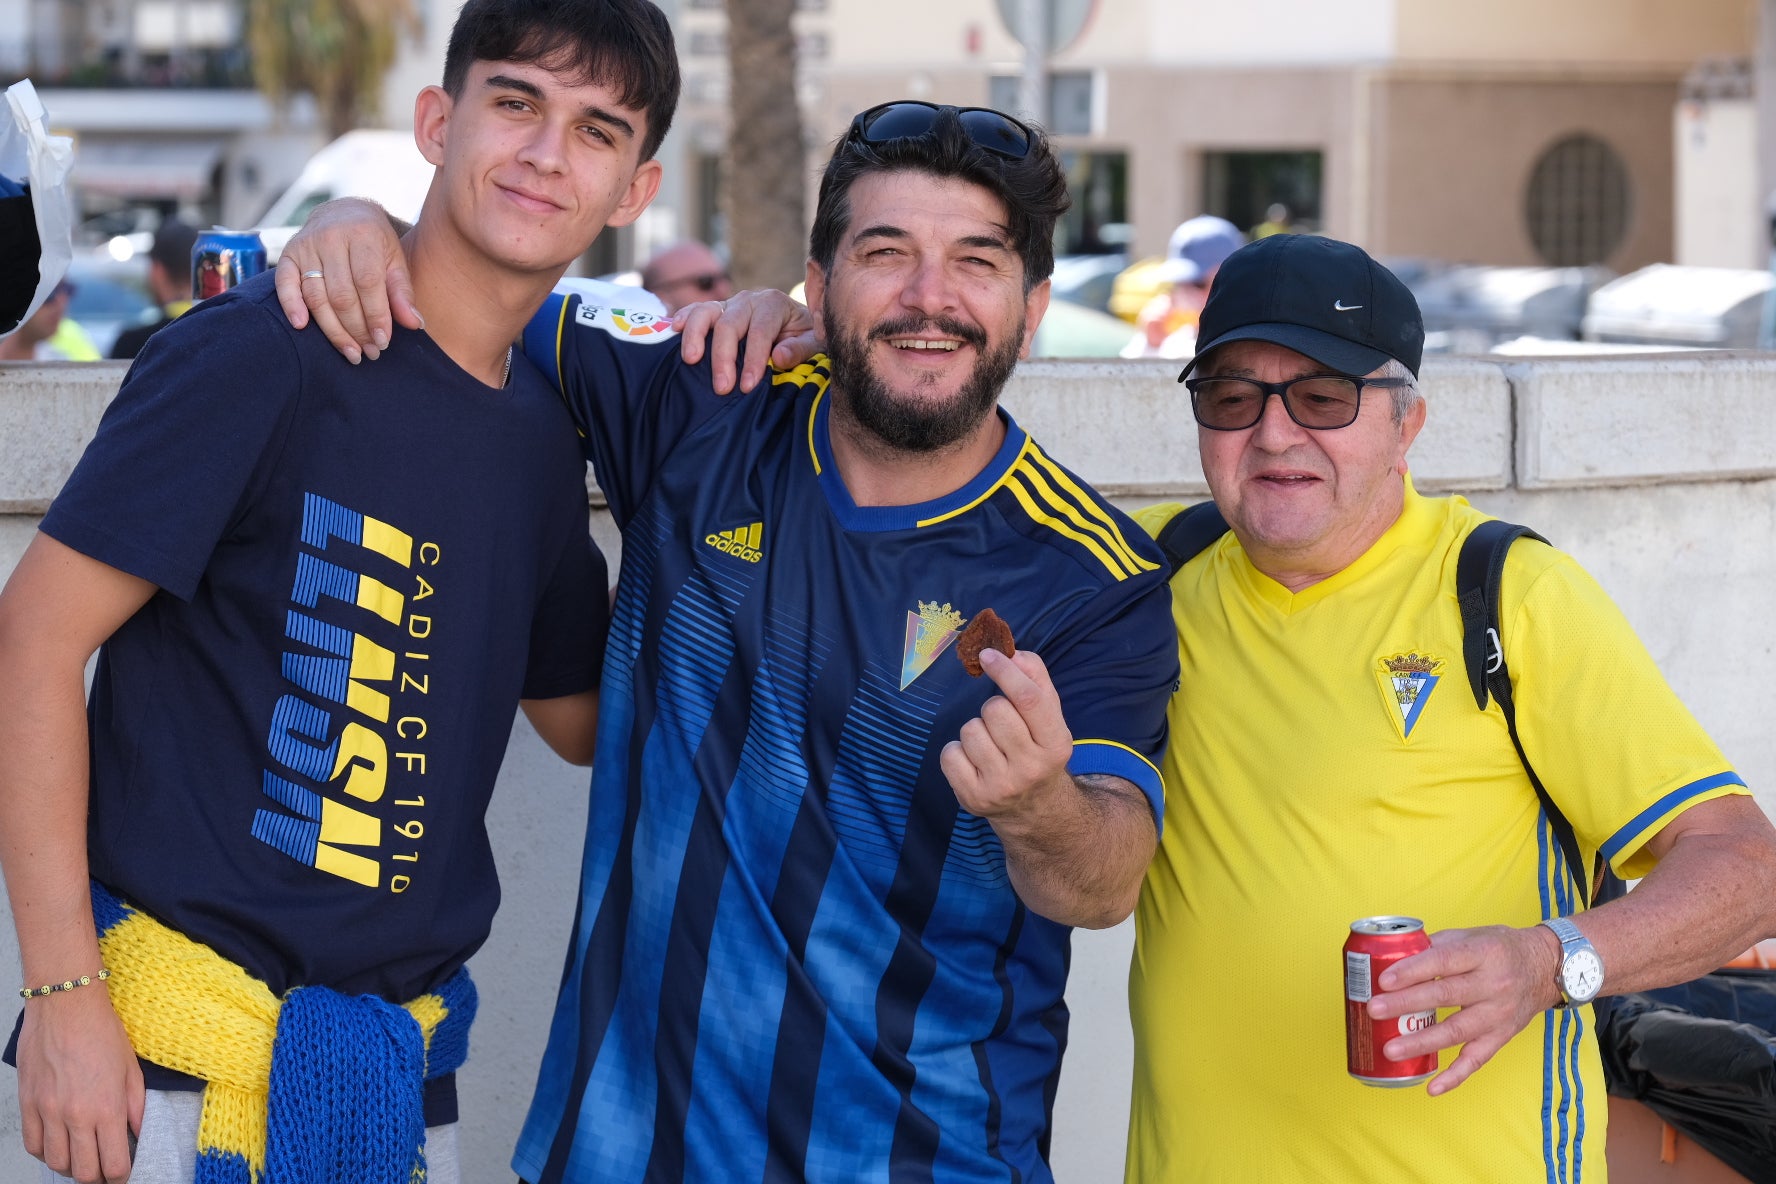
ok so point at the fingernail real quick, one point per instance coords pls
(372, 353)
(380, 338)
(352, 356)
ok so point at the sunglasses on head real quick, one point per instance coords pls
(907, 119)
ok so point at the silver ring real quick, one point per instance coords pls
(312, 275)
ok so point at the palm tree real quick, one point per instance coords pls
(765, 169)
(336, 50)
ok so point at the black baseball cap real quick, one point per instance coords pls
(1317, 296)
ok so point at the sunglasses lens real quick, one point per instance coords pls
(989, 129)
(898, 121)
(996, 133)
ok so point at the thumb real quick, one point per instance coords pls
(400, 287)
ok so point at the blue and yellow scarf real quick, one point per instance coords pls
(314, 1087)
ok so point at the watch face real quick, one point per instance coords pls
(1582, 975)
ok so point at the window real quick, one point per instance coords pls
(1003, 91)
(708, 222)
(1070, 96)
(1577, 204)
(1242, 187)
(1097, 222)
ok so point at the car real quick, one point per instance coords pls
(384, 166)
(1086, 279)
(1073, 331)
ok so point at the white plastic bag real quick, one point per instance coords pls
(29, 152)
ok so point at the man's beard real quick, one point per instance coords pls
(904, 424)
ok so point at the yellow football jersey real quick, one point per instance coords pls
(1328, 762)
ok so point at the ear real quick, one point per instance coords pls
(431, 113)
(642, 187)
(1035, 306)
(814, 293)
(1409, 429)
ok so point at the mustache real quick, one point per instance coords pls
(909, 326)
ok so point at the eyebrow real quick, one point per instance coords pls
(1249, 373)
(525, 87)
(980, 242)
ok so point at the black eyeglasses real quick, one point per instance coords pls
(1318, 401)
(992, 130)
(703, 283)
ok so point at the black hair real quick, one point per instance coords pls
(1033, 190)
(172, 247)
(623, 44)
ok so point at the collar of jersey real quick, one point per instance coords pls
(852, 516)
(1417, 525)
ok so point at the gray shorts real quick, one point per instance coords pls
(166, 1152)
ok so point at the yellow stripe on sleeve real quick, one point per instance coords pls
(1077, 514)
(1038, 514)
(1088, 503)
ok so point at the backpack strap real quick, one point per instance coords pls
(1478, 573)
(1189, 532)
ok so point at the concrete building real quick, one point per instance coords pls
(158, 96)
(160, 100)
(1508, 133)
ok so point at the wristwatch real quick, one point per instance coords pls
(1580, 974)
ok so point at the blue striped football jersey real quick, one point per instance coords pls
(795, 956)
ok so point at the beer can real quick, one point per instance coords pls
(220, 259)
(1376, 943)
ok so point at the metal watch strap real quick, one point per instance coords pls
(1569, 937)
(1565, 930)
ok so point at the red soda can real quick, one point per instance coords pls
(1376, 943)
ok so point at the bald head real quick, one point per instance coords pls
(685, 273)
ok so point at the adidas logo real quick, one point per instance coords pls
(742, 542)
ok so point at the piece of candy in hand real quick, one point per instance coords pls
(986, 632)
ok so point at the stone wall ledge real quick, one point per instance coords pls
(1125, 426)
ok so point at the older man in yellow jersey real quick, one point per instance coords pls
(1306, 791)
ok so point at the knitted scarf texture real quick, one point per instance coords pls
(313, 1088)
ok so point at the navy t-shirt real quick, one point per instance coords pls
(362, 570)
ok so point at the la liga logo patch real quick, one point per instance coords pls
(632, 324)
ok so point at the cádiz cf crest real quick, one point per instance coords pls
(1407, 681)
(929, 632)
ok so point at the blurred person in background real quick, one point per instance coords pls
(1166, 327)
(50, 334)
(1276, 221)
(169, 282)
(684, 273)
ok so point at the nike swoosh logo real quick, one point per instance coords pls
(1341, 306)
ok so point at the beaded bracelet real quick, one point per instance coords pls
(51, 988)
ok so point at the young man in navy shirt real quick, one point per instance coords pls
(317, 593)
